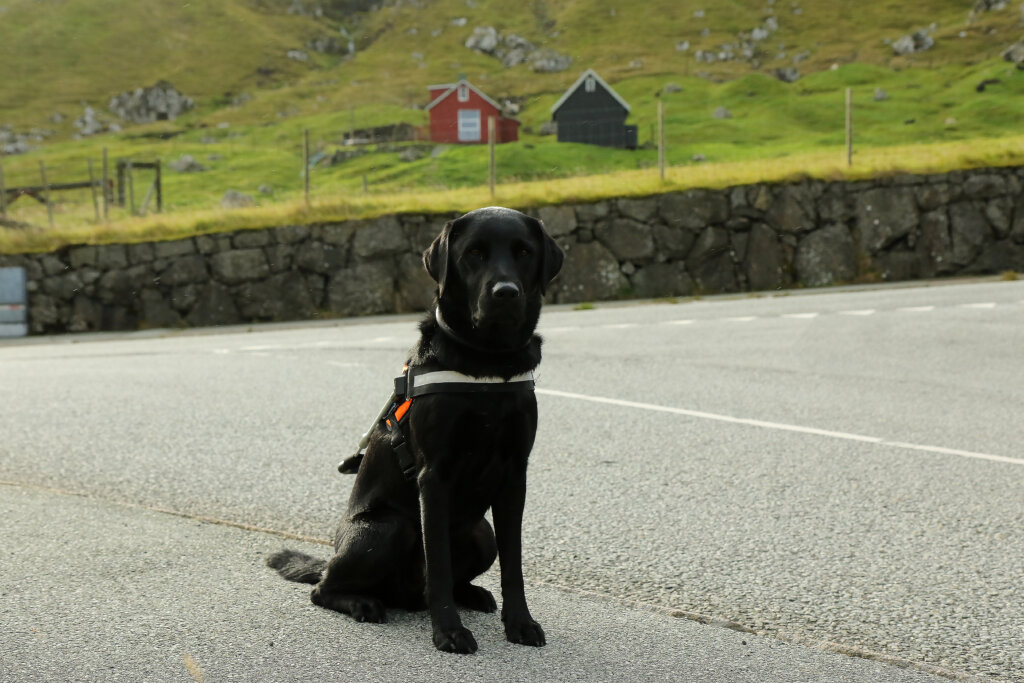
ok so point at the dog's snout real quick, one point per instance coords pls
(505, 290)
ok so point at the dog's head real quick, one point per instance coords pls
(492, 267)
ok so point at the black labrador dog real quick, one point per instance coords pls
(414, 534)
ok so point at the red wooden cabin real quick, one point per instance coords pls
(459, 113)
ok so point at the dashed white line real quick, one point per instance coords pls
(677, 322)
(863, 311)
(917, 309)
(987, 304)
(805, 316)
(619, 326)
(741, 319)
(342, 364)
(780, 426)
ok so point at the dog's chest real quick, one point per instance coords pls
(479, 441)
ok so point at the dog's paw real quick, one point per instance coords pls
(358, 607)
(476, 598)
(368, 610)
(458, 640)
(525, 632)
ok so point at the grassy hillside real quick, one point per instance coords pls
(63, 53)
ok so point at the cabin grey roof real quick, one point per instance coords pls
(579, 82)
(451, 88)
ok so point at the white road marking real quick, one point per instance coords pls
(865, 311)
(619, 326)
(917, 309)
(381, 340)
(222, 351)
(982, 305)
(806, 316)
(741, 319)
(342, 364)
(677, 322)
(780, 426)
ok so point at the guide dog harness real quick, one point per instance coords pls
(422, 380)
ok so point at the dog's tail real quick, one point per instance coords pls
(296, 566)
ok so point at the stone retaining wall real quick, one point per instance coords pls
(756, 237)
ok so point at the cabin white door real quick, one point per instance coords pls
(469, 125)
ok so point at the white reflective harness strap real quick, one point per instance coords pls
(419, 381)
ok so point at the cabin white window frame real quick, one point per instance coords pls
(463, 92)
(590, 84)
(470, 129)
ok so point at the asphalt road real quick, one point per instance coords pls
(833, 468)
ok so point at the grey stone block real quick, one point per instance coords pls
(363, 289)
(826, 256)
(558, 220)
(250, 239)
(885, 216)
(381, 237)
(185, 270)
(239, 265)
(627, 239)
(167, 250)
(589, 273)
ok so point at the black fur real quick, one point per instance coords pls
(416, 544)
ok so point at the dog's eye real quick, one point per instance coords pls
(523, 252)
(475, 253)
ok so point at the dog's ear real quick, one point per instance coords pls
(435, 258)
(551, 255)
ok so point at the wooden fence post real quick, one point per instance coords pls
(661, 139)
(849, 128)
(492, 167)
(92, 187)
(305, 162)
(46, 189)
(3, 195)
(106, 188)
(122, 182)
(159, 188)
(131, 185)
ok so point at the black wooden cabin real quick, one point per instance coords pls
(592, 113)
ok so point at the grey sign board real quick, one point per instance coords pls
(13, 303)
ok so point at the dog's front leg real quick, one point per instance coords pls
(508, 528)
(449, 633)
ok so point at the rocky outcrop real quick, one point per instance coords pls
(512, 50)
(755, 237)
(1015, 53)
(918, 41)
(161, 102)
(14, 142)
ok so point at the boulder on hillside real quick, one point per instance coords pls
(186, 163)
(89, 123)
(162, 102)
(233, 199)
(919, 41)
(787, 74)
(1015, 54)
(513, 50)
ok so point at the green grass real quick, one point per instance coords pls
(59, 55)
